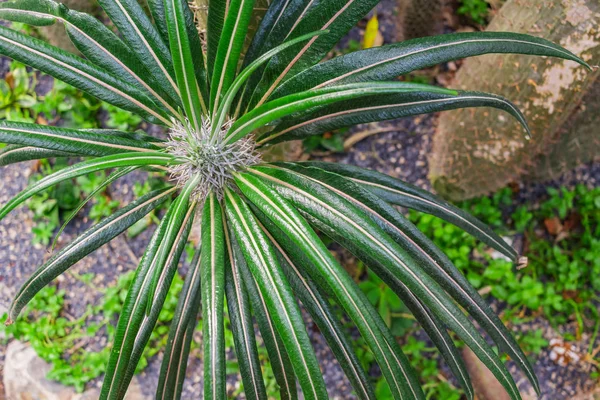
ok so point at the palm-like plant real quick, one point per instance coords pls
(258, 251)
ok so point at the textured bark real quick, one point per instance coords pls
(478, 151)
(419, 18)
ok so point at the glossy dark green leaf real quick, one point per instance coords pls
(230, 46)
(317, 304)
(278, 357)
(336, 16)
(158, 293)
(175, 359)
(78, 72)
(242, 77)
(262, 261)
(217, 12)
(13, 154)
(85, 167)
(157, 10)
(390, 61)
(242, 326)
(212, 266)
(379, 108)
(394, 365)
(93, 39)
(144, 40)
(186, 56)
(134, 326)
(301, 102)
(433, 260)
(357, 232)
(87, 242)
(83, 143)
(398, 192)
(411, 239)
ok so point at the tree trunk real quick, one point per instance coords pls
(477, 151)
(419, 18)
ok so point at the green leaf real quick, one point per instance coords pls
(117, 174)
(390, 61)
(185, 59)
(86, 243)
(230, 46)
(79, 142)
(144, 40)
(400, 193)
(85, 167)
(316, 302)
(391, 360)
(217, 12)
(176, 241)
(280, 361)
(224, 108)
(336, 16)
(357, 232)
(378, 108)
(134, 327)
(13, 154)
(93, 39)
(212, 265)
(78, 72)
(157, 9)
(280, 301)
(240, 315)
(300, 102)
(430, 257)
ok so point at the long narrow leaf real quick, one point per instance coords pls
(365, 238)
(243, 76)
(379, 108)
(229, 50)
(388, 62)
(157, 296)
(238, 305)
(185, 63)
(145, 41)
(337, 16)
(433, 260)
(69, 140)
(175, 359)
(86, 243)
(401, 377)
(280, 301)
(133, 316)
(317, 304)
(212, 265)
(93, 39)
(398, 192)
(13, 154)
(300, 102)
(85, 167)
(78, 72)
(279, 359)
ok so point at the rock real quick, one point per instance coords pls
(25, 376)
(25, 379)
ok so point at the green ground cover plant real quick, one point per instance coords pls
(259, 250)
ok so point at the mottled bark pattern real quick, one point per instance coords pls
(419, 18)
(478, 151)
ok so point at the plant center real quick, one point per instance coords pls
(201, 155)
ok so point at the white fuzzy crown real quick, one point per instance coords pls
(211, 160)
